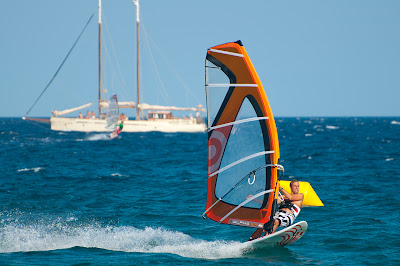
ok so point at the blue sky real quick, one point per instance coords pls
(314, 58)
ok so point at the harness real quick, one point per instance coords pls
(293, 207)
(286, 205)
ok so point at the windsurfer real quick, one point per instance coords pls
(120, 127)
(288, 210)
(118, 130)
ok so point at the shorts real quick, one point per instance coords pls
(285, 218)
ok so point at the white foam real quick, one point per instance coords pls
(96, 137)
(24, 238)
(332, 127)
(35, 169)
(395, 122)
(116, 174)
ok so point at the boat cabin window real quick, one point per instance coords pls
(159, 115)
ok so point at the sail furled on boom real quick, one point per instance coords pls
(112, 113)
(243, 149)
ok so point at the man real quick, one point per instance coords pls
(117, 131)
(288, 210)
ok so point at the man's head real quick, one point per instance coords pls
(295, 186)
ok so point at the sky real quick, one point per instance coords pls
(314, 58)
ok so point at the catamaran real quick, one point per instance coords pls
(243, 147)
(157, 118)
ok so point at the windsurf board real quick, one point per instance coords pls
(282, 237)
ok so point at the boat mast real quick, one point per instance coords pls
(99, 58)
(136, 3)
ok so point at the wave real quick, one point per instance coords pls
(96, 137)
(395, 122)
(27, 238)
(332, 127)
(35, 169)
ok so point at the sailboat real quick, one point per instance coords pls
(158, 118)
(243, 147)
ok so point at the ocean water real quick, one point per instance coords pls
(77, 198)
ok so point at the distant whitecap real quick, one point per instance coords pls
(332, 127)
(395, 122)
(116, 174)
(35, 169)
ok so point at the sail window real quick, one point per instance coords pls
(240, 161)
(216, 94)
(249, 199)
(245, 146)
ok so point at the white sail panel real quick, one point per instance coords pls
(112, 112)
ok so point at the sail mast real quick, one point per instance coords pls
(136, 2)
(99, 58)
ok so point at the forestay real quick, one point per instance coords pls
(243, 149)
(112, 112)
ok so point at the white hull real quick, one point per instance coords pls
(99, 125)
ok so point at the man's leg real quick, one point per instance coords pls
(276, 224)
(256, 234)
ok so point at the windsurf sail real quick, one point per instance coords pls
(243, 148)
(112, 113)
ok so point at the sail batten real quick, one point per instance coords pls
(231, 85)
(243, 150)
(240, 161)
(225, 52)
(238, 122)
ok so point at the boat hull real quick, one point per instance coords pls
(99, 125)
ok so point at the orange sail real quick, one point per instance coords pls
(243, 148)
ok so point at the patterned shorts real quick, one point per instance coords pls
(285, 218)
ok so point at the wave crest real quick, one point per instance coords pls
(25, 238)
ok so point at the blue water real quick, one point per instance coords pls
(78, 198)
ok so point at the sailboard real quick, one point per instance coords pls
(112, 115)
(282, 237)
(243, 147)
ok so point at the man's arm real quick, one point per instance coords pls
(295, 197)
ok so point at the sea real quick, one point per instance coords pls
(72, 198)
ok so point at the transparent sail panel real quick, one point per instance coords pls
(245, 139)
(215, 95)
(112, 113)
